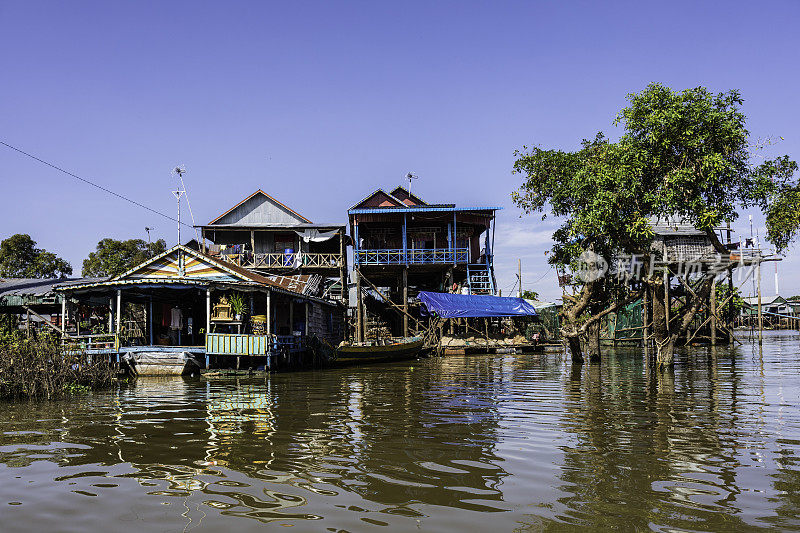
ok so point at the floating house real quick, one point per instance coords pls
(265, 236)
(402, 242)
(192, 306)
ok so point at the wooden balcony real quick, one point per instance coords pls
(434, 256)
(280, 260)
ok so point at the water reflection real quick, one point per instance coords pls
(482, 442)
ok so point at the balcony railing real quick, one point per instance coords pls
(437, 256)
(285, 260)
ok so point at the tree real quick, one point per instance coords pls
(684, 155)
(530, 295)
(20, 258)
(113, 257)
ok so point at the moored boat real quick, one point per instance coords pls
(379, 351)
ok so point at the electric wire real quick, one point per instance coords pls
(68, 173)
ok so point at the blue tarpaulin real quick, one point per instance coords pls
(473, 305)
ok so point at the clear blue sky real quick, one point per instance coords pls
(318, 103)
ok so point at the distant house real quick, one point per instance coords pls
(679, 241)
(266, 236)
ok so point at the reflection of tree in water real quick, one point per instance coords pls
(652, 446)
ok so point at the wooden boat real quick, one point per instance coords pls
(379, 350)
(152, 361)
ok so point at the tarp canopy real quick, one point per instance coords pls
(473, 306)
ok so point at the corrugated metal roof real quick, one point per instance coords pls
(673, 226)
(37, 286)
(273, 225)
(417, 209)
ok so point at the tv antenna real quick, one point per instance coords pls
(178, 172)
(410, 177)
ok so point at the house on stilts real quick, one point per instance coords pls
(190, 306)
(404, 244)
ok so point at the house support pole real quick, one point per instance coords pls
(150, 320)
(713, 308)
(208, 311)
(405, 301)
(760, 316)
(269, 312)
(342, 270)
(119, 317)
(359, 309)
(63, 316)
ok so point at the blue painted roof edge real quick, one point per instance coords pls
(421, 209)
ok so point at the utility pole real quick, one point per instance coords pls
(519, 275)
(760, 317)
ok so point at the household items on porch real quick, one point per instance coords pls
(222, 310)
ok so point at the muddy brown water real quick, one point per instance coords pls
(461, 443)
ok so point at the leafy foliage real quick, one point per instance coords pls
(20, 258)
(113, 257)
(530, 295)
(682, 155)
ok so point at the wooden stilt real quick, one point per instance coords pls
(119, 318)
(359, 309)
(405, 301)
(150, 320)
(760, 316)
(713, 307)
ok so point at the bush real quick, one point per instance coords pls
(39, 368)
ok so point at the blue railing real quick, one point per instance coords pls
(412, 257)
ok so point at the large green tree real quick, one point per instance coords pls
(113, 257)
(20, 258)
(682, 154)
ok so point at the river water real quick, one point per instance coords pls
(460, 443)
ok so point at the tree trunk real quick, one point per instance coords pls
(665, 352)
(574, 343)
(593, 342)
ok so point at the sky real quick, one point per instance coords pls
(319, 103)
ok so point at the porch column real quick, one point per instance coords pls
(253, 241)
(450, 238)
(342, 270)
(208, 311)
(269, 312)
(405, 238)
(111, 315)
(150, 320)
(63, 314)
(203, 240)
(359, 309)
(356, 244)
(119, 317)
(405, 301)
(455, 240)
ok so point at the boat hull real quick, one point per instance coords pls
(364, 353)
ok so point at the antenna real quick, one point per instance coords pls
(148, 233)
(411, 176)
(179, 171)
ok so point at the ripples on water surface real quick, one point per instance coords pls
(488, 442)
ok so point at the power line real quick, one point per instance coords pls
(68, 173)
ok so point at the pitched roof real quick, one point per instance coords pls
(270, 198)
(376, 193)
(402, 194)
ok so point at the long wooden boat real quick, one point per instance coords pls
(379, 351)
